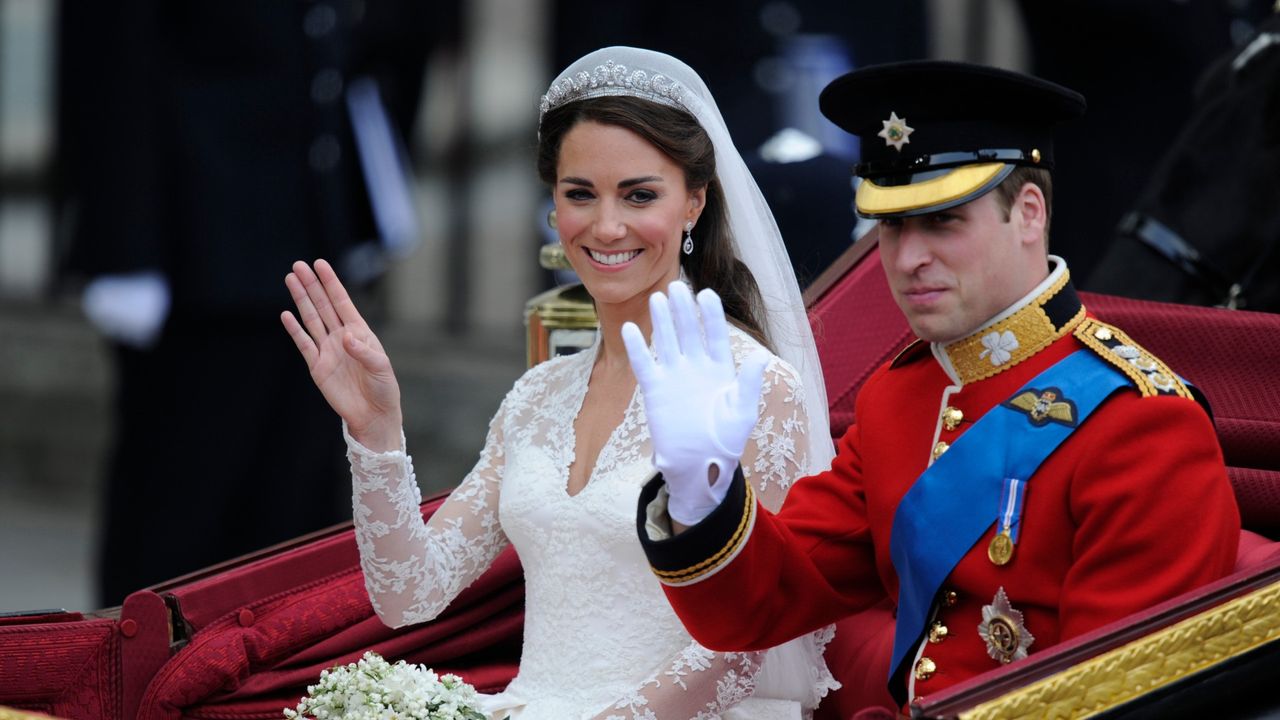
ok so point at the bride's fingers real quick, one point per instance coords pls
(370, 359)
(342, 304)
(301, 339)
(319, 296)
(306, 310)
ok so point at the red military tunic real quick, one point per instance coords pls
(1133, 508)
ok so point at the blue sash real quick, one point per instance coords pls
(951, 505)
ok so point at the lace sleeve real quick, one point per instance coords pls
(698, 683)
(413, 569)
(777, 450)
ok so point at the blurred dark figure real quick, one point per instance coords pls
(1206, 228)
(206, 145)
(1137, 63)
(812, 202)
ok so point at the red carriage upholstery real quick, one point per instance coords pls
(243, 639)
(85, 667)
(261, 628)
(1232, 356)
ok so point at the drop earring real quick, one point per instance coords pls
(551, 219)
(688, 238)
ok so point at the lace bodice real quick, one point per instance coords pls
(600, 638)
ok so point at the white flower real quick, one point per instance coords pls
(999, 346)
(373, 689)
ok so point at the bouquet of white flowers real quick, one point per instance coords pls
(373, 689)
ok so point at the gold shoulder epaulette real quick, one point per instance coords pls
(1151, 376)
(909, 353)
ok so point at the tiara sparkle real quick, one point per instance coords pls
(613, 79)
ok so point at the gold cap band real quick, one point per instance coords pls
(956, 186)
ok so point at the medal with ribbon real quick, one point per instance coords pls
(1008, 521)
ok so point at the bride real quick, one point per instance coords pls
(649, 189)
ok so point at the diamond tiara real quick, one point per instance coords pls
(613, 79)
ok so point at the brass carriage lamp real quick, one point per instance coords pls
(562, 320)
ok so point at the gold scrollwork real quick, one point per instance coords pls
(1146, 664)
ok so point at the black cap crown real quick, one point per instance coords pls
(936, 134)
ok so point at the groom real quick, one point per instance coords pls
(1021, 474)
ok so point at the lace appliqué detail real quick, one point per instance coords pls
(735, 672)
(412, 570)
(780, 454)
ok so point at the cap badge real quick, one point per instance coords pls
(1004, 631)
(896, 131)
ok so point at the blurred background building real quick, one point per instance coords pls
(450, 308)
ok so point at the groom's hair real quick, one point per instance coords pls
(714, 263)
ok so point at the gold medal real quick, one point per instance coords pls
(1000, 551)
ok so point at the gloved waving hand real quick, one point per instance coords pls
(700, 410)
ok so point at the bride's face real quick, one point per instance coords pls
(621, 208)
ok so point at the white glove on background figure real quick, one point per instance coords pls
(129, 308)
(700, 411)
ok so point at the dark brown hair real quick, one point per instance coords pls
(677, 135)
(1006, 191)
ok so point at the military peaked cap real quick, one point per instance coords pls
(936, 134)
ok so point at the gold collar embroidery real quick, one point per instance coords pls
(1003, 344)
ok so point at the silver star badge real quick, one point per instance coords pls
(1004, 631)
(896, 132)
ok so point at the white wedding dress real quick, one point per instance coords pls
(600, 639)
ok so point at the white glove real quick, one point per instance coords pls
(129, 308)
(700, 411)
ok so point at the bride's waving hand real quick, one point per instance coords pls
(344, 356)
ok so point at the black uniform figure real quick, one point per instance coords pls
(209, 144)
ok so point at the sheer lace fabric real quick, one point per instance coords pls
(600, 639)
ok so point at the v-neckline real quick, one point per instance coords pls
(571, 454)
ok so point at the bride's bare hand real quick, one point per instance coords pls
(345, 358)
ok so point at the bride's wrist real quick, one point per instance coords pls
(382, 435)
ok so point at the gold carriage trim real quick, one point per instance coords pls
(693, 573)
(1151, 376)
(989, 351)
(1146, 664)
(8, 713)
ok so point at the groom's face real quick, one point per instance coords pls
(951, 271)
